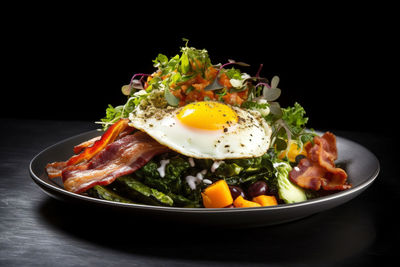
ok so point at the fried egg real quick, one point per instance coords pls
(206, 129)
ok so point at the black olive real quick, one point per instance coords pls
(236, 191)
(257, 189)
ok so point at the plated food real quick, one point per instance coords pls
(203, 135)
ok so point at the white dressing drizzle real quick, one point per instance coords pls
(161, 169)
(193, 181)
(216, 165)
(206, 181)
(191, 162)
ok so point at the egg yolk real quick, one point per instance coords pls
(207, 115)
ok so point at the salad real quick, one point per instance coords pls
(203, 135)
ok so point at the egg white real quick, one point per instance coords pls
(249, 137)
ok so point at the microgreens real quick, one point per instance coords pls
(270, 92)
(134, 84)
(259, 70)
(171, 99)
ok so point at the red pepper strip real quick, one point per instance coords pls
(107, 138)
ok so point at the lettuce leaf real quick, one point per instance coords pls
(295, 118)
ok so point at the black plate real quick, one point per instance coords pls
(360, 164)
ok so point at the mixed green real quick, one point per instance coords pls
(148, 187)
(189, 77)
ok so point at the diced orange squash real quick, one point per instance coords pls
(265, 200)
(240, 202)
(217, 195)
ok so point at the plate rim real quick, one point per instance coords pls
(342, 194)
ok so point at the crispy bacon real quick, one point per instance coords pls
(55, 169)
(318, 170)
(91, 147)
(103, 159)
(119, 158)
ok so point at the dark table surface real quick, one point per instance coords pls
(38, 230)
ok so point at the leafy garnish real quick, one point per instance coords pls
(270, 92)
(185, 66)
(231, 61)
(295, 118)
(255, 105)
(135, 84)
(276, 111)
(126, 89)
(160, 61)
(171, 99)
(291, 127)
(215, 85)
(113, 114)
(233, 73)
(177, 76)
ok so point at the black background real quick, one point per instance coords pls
(69, 63)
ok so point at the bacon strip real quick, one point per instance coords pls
(119, 158)
(318, 169)
(55, 169)
(92, 147)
